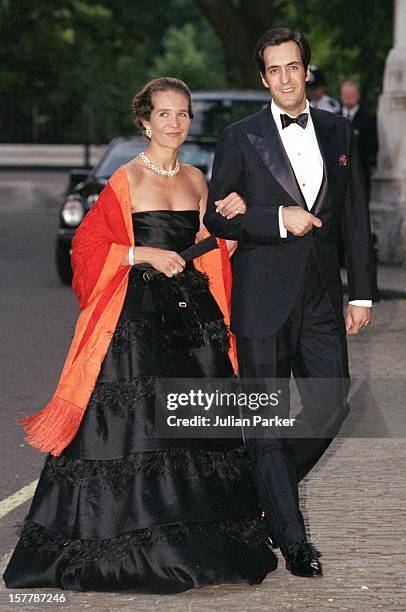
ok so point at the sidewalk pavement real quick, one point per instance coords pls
(354, 502)
(391, 281)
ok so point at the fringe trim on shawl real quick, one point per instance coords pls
(54, 427)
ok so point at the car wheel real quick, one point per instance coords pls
(63, 266)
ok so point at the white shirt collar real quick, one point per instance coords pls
(277, 112)
(351, 112)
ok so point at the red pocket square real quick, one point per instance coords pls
(343, 160)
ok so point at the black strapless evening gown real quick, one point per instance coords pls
(122, 509)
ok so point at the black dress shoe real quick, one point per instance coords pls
(303, 560)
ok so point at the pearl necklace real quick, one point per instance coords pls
(157, 169)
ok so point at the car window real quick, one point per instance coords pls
(196, 155)
(212, 116)
(116, 156)
(122, 152)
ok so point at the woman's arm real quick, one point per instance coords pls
(258, 224)
(167, 262)
(203, 191)
(231, 244)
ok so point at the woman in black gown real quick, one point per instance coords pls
(120, 508)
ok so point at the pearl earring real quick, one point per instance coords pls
(148, 132)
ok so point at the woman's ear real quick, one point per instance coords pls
(147, 128)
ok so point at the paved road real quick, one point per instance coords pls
(354, 500)
(37, 314)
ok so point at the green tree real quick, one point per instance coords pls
(238, 25)
(349, 39)
(357, 35)
(188, 55)
(69, 68)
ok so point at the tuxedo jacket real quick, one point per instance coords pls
(268, 270)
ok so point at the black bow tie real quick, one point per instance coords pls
(300, 120)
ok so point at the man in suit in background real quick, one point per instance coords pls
(365, 129)
(284, 180)
(364, 126)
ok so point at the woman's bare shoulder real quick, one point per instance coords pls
(134, 167)
(193, 173)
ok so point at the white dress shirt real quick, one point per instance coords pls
(349, 113)
(303, 151)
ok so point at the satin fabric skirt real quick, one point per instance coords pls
(121, 508)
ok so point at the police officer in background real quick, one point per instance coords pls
(316, 92)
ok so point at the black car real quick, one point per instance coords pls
(213, 111)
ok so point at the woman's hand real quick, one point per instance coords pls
(231, 205)
(167, 262)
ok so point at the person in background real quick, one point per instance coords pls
(316, 88)
(365, 129)
(364, 125)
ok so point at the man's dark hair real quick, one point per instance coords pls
(277, 36)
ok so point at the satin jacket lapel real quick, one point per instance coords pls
(326, 138)
(272, 152)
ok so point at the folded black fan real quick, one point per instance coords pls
(196, 250)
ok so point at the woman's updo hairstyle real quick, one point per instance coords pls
(142, 101)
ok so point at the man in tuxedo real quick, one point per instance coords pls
(284, 180)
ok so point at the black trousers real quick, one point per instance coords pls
(311, 344)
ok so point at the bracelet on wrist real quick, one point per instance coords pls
(131, 256)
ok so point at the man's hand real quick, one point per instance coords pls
(298, 221)
(356, 318)
(231, 205)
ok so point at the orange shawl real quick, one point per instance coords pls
(100, 284)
